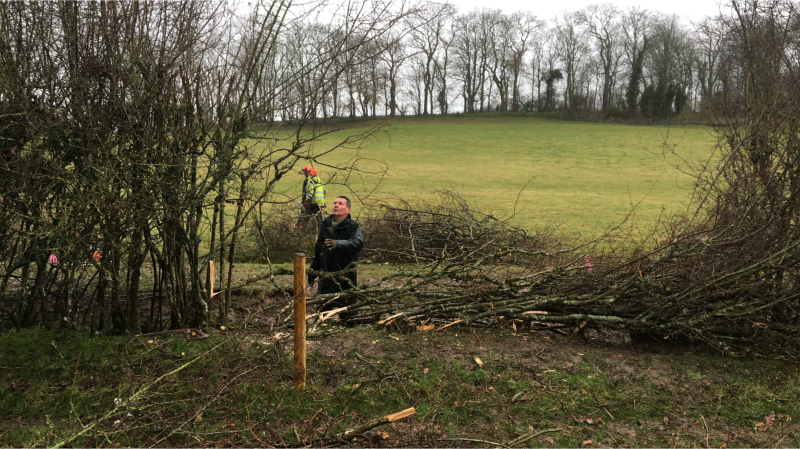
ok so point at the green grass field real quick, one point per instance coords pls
(583, 176)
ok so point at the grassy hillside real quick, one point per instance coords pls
(583, 176)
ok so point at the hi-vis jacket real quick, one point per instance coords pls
(314, 191)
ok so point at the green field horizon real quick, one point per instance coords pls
(580, 176)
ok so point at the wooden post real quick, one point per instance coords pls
(211, 275)
(299, 322)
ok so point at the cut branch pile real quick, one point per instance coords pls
(731, 286)
(446, 229)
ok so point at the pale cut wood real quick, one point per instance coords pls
(450, 324)
(211, 275)
(325, 315)
(401, 414)
(362, 430)
(391, 318)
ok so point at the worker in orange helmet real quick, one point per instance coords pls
(313, 197)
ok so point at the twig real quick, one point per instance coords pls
(141, 391)
(75, 377)
(612, 436)
(172, 331)
(474, 441)
(359, 431)
(706, 426)
(296, 435)
(525, 438)
(372, 365)
(209, 403)
(450, 324)
(434, 408)
(401, 383)
(72, 394)
(785, 434)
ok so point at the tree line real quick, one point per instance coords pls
(622, 62)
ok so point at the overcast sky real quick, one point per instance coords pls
(691, 10)
(546, 9)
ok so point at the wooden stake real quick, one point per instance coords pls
(299, 322)
(211, 278)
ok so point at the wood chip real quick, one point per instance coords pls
(426, 327)
(401, 414)
(479, 362)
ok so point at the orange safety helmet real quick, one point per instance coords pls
(308, 171)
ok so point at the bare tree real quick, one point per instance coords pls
(500, 56)
(416, 82)
(604, 25)
(572, 47)
(636, 26)
(711, 36)
(395, 55)
(441, 70)
(538, 44)
(426, 36)
(528, 30)
(466, 48)
(486, 23)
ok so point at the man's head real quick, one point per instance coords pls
(308, 171)
(341, 207)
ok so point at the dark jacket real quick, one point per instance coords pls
(348, 236)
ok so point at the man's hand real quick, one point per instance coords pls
(331, 244)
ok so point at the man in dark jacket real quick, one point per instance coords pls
(336, 253)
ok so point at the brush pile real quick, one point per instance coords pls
(732, 285)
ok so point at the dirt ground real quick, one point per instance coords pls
(639, 367)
